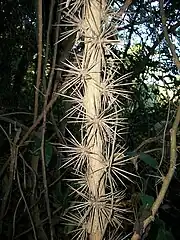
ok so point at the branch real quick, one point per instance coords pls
(124, 7)
(151, 50)
(131, 31)
(26, 205)
(42, 222)
(44, 116)
(147, 141)
(38, 80)
(47, 43)
(167, 178)
(165, 31)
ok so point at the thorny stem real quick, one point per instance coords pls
(92, 103)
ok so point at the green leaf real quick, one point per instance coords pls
(147, 201)
(148, 160)
(48, 153)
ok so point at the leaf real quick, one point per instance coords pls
(148, 160)
(146, 200)
(48, 153)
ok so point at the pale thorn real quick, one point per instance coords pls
(77, 153)
(77, 104)
(77, 75)
(72, 219)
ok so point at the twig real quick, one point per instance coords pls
(14, 217)
(14, 122)
(22, 195)
(47, 43)
(124, 8)
(54, 58)
(147, 141)
(15, 113)
(165, 30)
(39, 119)
(164, 132)
(13, 165)
(4, 166)
(44, 169)
(38, 80)
(32, 170)
(42, 222)
(173, 156)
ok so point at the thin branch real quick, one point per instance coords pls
(54, 59)
(14, 217)
(147, 141)
(44, 172)
(165, 129)
(39, 119)
(47, 43)
(12, 170)
(38, 80)
(42, 222)
(151, 50)
(14, 122)
(131, 31)
(44, 116)
(27, 208)
(124, 8)
(165, 30)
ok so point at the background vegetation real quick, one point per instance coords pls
(35, 52)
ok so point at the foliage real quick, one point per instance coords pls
(37, 192)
